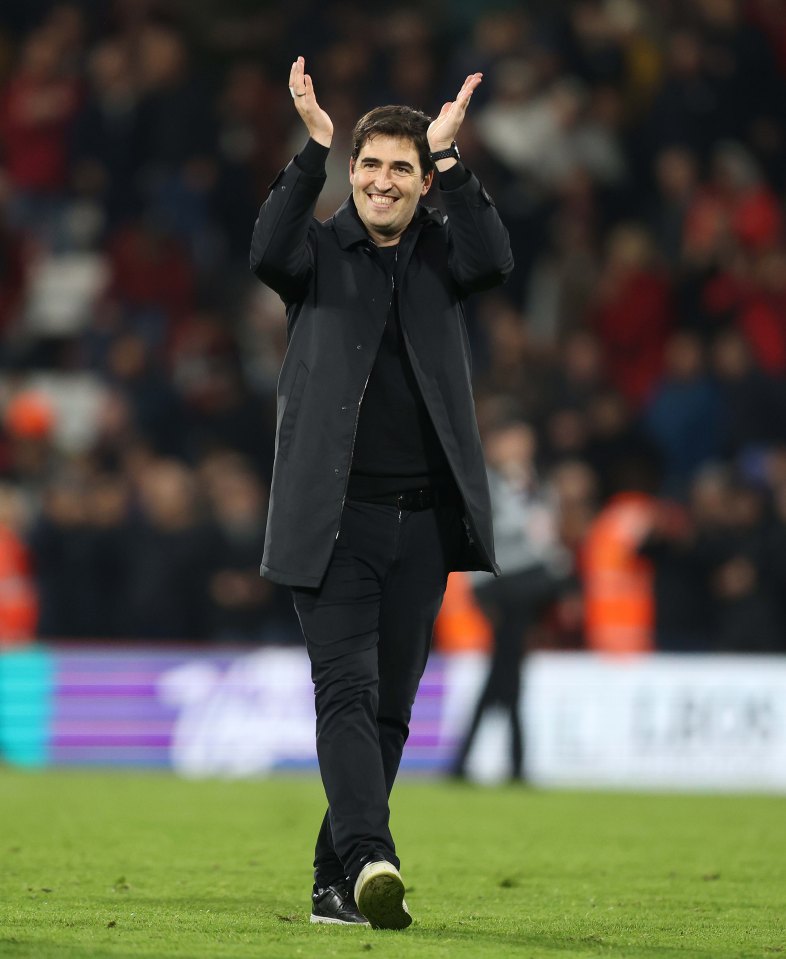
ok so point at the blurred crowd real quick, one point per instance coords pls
(637, 152)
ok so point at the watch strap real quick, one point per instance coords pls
(452, 152)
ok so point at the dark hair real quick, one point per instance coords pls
(403, 123)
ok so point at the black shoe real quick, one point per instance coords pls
(335, 904)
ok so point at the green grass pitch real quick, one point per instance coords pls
(125, 865)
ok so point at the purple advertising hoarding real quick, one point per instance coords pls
(211, 712)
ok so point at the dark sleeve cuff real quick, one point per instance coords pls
(311, 158)
(453, 178)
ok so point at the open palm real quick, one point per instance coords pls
(301, 86)
(443, 128)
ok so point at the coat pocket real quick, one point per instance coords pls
(286, 430)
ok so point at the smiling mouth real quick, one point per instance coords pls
(381, 201)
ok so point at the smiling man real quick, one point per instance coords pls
(379, 486)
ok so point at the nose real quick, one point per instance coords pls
(382, 180)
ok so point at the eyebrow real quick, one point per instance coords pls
(406, 163)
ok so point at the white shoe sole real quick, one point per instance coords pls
(379, 893)
(327, 921)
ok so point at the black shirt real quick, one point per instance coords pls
(396, 446)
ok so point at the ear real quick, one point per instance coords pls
(352, 170)
(428, 179)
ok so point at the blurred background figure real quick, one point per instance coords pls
(18, 594)
(29, 456)
(244, 608)
(37, 113)
(739, 543)
(619, 603)
(637, 154)
(683, 413)
(535, 567)
(169, 557)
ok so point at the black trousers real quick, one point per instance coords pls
(368, 630)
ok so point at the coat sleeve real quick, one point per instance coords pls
(281, 254)
(479, 255)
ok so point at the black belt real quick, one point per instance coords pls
(413, 499)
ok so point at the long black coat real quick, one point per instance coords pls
(337, 298)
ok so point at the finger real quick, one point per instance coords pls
(470, 84)
(308, 85)
(465, 84)
(296, 77)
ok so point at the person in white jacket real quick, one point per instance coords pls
(534, 566)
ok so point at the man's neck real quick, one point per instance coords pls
(380, 240)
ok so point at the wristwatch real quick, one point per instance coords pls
(452, 152)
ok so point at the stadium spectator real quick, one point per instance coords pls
(19, 607)
(744, 574)
(250, 138)
(683, 415)
(753, 408)
(60, 541)
(108, 140)
(180, 168)
(637, 153)
(80, 540)
(618, 582)
(565, 275)
(632, 284)
(169, 554)
(37, 111)
(682, 608)
(153, 280)
(677, 179)
(155, 406)
(12, 283)
(244, 608)
(614, 439)
(29, 455)
(687, 109)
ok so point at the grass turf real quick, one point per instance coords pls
(122, 865)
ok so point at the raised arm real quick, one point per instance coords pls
(280, 253)
(480, 254)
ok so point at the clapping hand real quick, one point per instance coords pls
(301, 86)
(443, 129)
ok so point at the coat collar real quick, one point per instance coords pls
(350, 230)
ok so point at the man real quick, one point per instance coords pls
(379, 487)
(535, 567)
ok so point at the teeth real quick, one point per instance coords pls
(381, 200)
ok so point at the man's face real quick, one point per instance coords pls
(387, 183)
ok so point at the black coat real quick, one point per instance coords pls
(337, 302)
